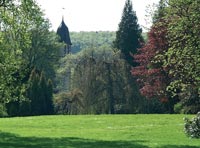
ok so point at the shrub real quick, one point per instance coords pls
(3, 111)
(178, 108)
(192, 127)
(69, 102)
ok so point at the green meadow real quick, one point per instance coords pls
(96, 131)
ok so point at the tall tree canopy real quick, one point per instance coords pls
(183, 55)
(171, 56)
(151, 74)
(128, 36)
(25, 43)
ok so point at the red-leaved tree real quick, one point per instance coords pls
(151, 75)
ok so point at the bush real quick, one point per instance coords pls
(178, 108)
(69, 102)
(3, 112)
(192, 127)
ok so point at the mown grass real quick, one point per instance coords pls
(96, 131)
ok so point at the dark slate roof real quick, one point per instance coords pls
(63, 32)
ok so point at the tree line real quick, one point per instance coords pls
(107, 72)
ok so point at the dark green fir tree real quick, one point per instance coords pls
(129, 34)
(33, 92)
(42, 92)
(49, 97)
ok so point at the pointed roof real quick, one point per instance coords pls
(63, 32)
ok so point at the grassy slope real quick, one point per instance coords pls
(89, 131)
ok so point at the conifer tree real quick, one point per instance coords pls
(49, 97)
(33, 92)
(42, 94)
(128, 36)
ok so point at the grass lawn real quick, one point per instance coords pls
(96, 131)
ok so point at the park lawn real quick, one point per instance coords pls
(96, 131)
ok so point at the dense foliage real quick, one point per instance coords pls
(183, 55)
(40, 93)
(26, 42)
(169, 62)
(96, 77)
(86, 40)
(192, 127)
(151, 76)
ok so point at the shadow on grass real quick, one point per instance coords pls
(178, 146)
(8, 140)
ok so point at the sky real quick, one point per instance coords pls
(92, 15)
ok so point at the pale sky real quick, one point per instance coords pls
(91, 15)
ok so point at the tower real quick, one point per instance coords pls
(63, 32)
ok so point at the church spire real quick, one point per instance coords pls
(63, 14)
(63, 32)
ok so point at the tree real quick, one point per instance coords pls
(128, 36)
(34, 93)
(178, 62)
(11, 35)
(151, 73)
(160, 12)
(25, 43)
(84, 40)
(183, 55)
(152, 77)
(49, 97)
(40, 93)
(104, 80)
(128, 39)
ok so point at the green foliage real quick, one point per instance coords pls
(33, 92)
(178, 108)
(129, 34)
(85, 40)
(69, 103)
(192, 127)
(104, 80)
(40, 94)
(42, 86)
(184, 52)
(96, 131)
(49, 97)
(155, 106)
(10, 56)
(160, 11)
(25, 42)
(100, 74)
(190, 103)
(43, 54)
(172, 54)
(3, 112)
